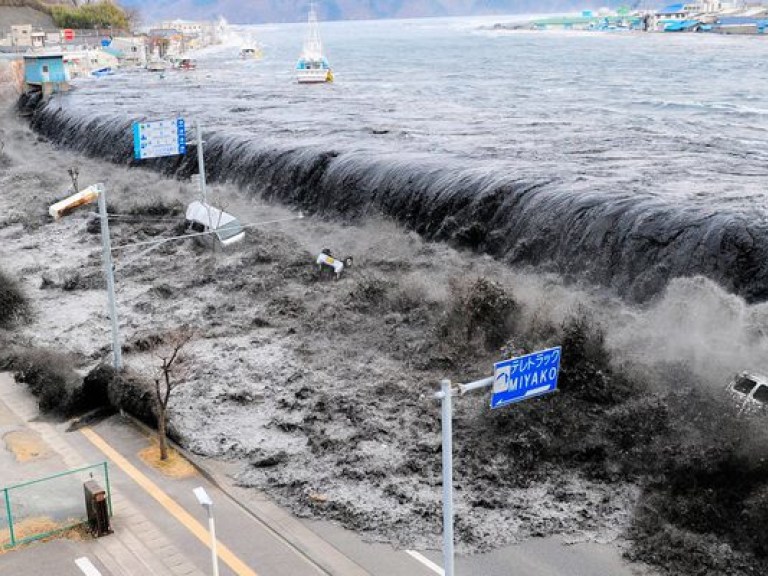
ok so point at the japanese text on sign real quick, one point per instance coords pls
(526, 376)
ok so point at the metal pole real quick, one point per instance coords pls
(212, 529)
(109, 488)
(201, 161)
(447, 421)
(203, 183)
(109, 272)
(10, 517)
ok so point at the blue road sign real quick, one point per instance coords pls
(525, 377)
(159, 138)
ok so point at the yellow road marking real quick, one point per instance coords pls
(189, 522)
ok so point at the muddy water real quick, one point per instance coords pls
(627, 160)
(322, 398)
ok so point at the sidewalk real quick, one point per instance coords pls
(159, 527)
(136, 547)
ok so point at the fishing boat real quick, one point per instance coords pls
(251, 53)
(313, 66)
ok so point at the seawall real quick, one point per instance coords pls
(632, 245)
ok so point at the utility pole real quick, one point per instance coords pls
(109, 272)
(201, 161)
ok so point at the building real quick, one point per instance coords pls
(740, 25)
(21, 35)
(166, 42)
(81, 63)
(46, 73)
(131, 50)
(184, 26)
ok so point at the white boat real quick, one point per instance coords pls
(251, 53)
(312, 66)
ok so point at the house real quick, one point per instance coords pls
(674, 12)
(131, 51)
(165, 42)
(46, 73)
(21, 35)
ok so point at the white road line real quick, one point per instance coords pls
(426, 561)
(86, 567)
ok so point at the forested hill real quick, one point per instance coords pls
(256, 11)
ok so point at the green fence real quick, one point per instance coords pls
(43, 507)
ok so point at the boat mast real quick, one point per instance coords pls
(313, 47)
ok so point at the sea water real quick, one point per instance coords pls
(626, 145)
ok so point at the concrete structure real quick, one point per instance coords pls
(21, 35)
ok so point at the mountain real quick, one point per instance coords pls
(258, 11)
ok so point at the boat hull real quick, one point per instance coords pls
(313, 76)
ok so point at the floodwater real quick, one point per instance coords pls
(627, 159)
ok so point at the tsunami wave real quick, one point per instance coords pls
(633, 244)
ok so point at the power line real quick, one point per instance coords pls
(198, 234)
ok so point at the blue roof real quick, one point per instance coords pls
(672, 9)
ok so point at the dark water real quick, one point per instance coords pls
(623, 159)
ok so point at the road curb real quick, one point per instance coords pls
(284, 526)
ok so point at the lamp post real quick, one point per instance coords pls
(97, 192)
(206, 502)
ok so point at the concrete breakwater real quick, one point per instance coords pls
(633, 244)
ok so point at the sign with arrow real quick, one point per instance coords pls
(525, 377)
(159, 138)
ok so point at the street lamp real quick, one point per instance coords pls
(206, 502)
(97, 192)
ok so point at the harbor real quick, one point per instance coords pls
(704, 16)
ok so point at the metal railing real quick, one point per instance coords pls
(46, 506)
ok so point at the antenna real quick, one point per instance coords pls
(313, 46)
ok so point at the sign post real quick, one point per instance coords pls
(513, 380)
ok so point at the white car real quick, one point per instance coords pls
(204, 219)
(750, 390)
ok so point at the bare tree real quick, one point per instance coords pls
(170, 377)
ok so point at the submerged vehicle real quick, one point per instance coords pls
(207, 221)
(750, 390)
(187, 64)
(157, 66)
(313, 66)
(329, 265)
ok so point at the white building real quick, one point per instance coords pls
(133, 50)
(21, 35)
(186, 27)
